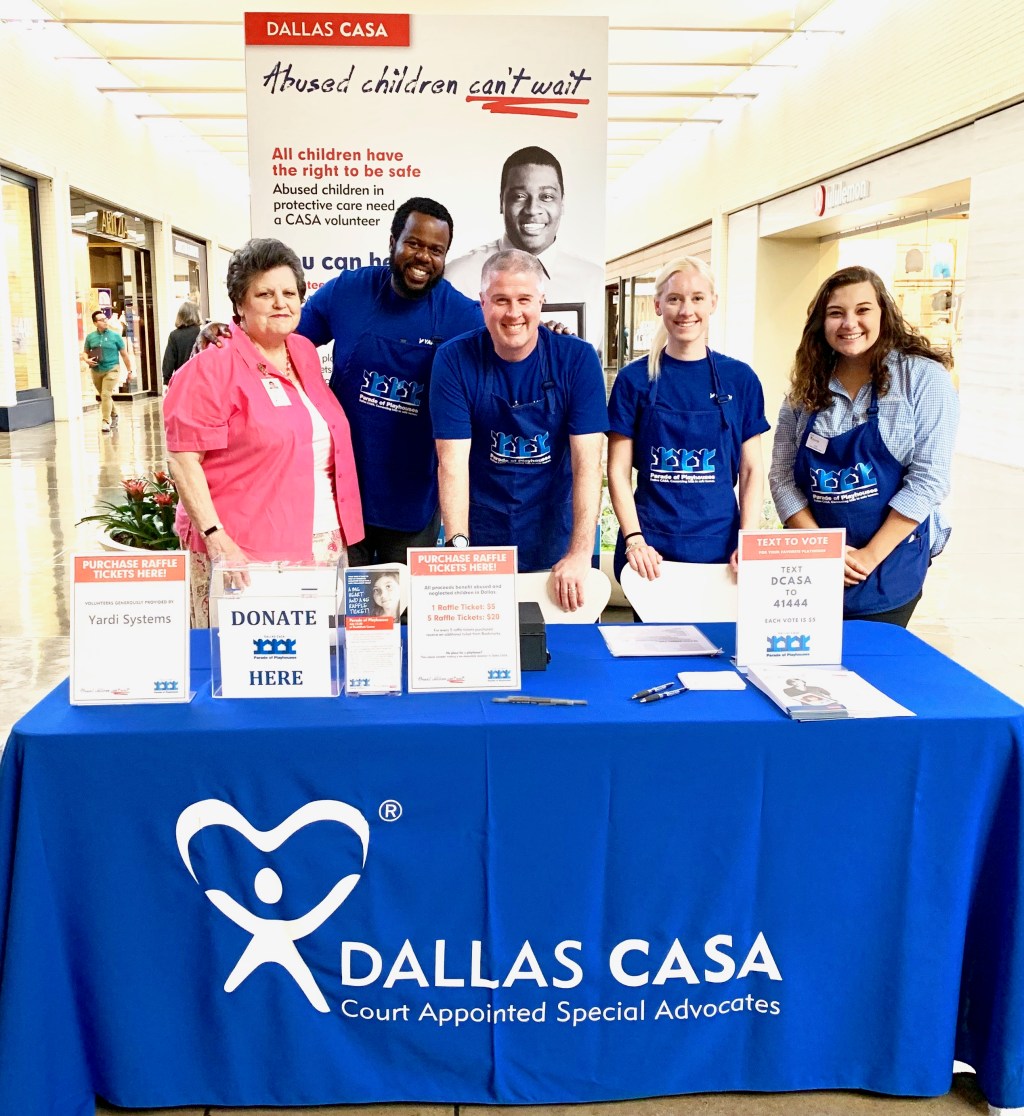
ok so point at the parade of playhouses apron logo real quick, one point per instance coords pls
(843, 486)
(449, 968)
(521, 449)
(391, 393)
(676, 465)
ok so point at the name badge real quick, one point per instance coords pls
(816, 442)
(275, 389)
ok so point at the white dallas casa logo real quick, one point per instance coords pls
(273, 939)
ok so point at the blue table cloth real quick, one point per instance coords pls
(437, 898)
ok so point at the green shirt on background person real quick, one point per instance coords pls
(106, 345)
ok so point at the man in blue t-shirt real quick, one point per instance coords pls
(519, 416)
(103, 349)
(386, 323)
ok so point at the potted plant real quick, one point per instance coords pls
(145, 521)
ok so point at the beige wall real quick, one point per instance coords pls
(71, 137)
(913, 96)
(902, 71)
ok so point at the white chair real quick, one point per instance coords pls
(686, 592)
(537, 587)
(618, 598)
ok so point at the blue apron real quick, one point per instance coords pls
(849, 484)
(520, 469)
(686, 474)
(384, 389)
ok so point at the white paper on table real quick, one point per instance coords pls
(639, 640)
(711, 680)
(783, 684)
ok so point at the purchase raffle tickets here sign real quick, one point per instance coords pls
(129, 628)
(463, 619)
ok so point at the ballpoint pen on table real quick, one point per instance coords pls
(527, 699)
(653, 690)
(663, 694)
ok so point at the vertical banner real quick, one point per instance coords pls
(503, 120)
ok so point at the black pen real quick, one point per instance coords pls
(663, 694)
(527, 699)
(640, 694)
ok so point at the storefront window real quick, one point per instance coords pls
(923, 263)
(21, 251)
(112, 274)
(83, 307)
(190, 273)
(645, 320)
(612, 327)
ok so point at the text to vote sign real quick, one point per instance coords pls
(790, 597)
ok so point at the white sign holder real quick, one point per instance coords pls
(790, 597)
(129, 628)
(463, 619)
(273, 630)
(373, 631)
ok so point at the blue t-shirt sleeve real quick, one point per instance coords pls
(588, 411)
(315, 323)
(624, 402)
(462, 315)
(449, 401)
(753, 421)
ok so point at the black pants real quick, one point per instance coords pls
(384, 545)
(900, 616)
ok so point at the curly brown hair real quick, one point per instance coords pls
(815, 359)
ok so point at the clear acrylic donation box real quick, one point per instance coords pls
(273, 629)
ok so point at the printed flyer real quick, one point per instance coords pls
(129, 628)
(463, 619)
(351, 115)
(790, 596)
(373, 634)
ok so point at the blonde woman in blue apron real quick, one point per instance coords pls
(690, 422)
(865, 442)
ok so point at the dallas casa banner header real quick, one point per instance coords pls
(508, 132)
(316, 28)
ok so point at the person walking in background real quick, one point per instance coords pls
(865, 441)
(103, 350)
(181, 339)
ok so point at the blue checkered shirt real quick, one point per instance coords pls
(917, 419)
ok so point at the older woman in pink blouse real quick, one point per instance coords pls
(259, 447)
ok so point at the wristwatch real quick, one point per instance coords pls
(460, 541)
(210, 530)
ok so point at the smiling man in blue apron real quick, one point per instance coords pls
(386, 324)
(520, 417)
